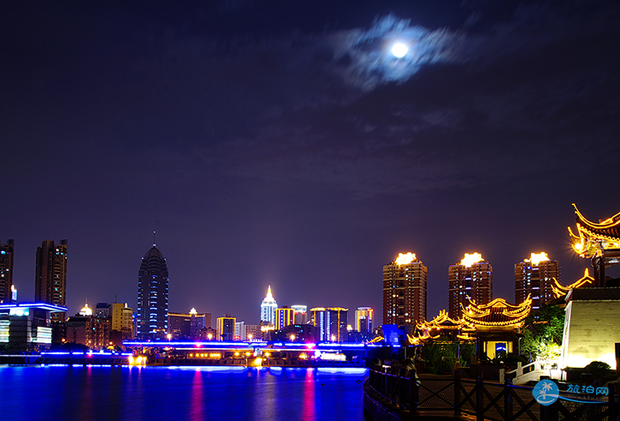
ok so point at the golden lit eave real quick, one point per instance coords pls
(591, 238)
(614, 221)
(498, 313)
(560, 290)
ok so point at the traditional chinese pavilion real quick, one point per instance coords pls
(495, 327)
(498, 325)
(593, 308)
(597, 241)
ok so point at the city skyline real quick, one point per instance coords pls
(154, 257)
(286, 145)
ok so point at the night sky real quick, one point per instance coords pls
(280, 143)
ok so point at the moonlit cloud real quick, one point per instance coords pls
(364, 59)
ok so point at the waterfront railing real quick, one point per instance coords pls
(475, 398)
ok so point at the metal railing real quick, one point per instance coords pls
(400, 390)
(489, 400)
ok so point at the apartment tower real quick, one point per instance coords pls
(535, 276)
(51, 276)
(404, 290)
(472, 278)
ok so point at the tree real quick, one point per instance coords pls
(439, 356)
(542, 334)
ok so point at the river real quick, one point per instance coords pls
(90, 393)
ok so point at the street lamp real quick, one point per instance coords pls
(292, 337)
(250, 337)
(209, 336)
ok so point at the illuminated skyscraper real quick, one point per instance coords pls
(6, 271)
(535, 276)
(404, 290)
(363, 319)
(51, 276)
(330, 323)
(152, 310)
(268, 309)
(284, 316)
(471, 278)
(225, 328)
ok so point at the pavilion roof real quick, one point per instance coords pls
(592, 236)
(498, 313)
(443, 321)
(560, 290)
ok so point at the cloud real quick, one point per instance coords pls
(363, 59)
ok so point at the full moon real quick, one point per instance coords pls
(399, 50)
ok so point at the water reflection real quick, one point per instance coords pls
(196, 410)
(148, 393)
(308, 410)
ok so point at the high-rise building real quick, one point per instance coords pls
(225, 328)
(330, 323)
(6, 272)
(472, 278)
(535, 276)
(301, 314)
(152, 310)
(363, 319)
(284, 316)
(404, 290)
(122, 317)
(51, 276)
(268, 308)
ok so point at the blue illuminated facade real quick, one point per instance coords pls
(152, 309)
(26, 326)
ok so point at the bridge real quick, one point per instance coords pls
(69, 357)
(255, 353)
